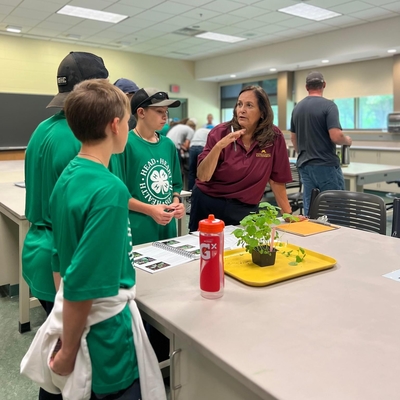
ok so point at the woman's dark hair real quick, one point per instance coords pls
(264, 133)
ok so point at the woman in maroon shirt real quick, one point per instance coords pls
(240, 157)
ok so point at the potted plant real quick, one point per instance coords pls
(257, 233)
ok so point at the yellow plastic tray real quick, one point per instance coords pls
(238, 264)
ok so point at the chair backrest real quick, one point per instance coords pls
(357, 210)
(396, 218)
(296, 183)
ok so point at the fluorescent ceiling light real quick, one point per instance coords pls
(310, 12)
(220, 37)
(324, 61)
(272, 69)
(15, 29)
(91, 14)
(392, 51)
(233, 76)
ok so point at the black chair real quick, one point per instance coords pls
(392, 195)
(295, 199)
(396, 218)
(314, 193)
(357, 210)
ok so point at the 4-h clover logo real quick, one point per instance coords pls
(159, 181)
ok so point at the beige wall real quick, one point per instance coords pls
(30, 66)
(366, 78)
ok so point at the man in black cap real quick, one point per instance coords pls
(315, 132)
(50, 149)
(129, 88)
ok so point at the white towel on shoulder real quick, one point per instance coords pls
(78, 385)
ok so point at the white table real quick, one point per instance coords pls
(13, 229)
(360, 174)
(330, 335)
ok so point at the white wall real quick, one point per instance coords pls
(30, 66)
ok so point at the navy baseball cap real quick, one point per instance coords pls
(126, 85)
(151, 97)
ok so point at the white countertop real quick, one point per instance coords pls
(326, 336)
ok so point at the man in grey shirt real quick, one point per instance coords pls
(315, 132)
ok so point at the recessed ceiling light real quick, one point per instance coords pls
(220, 37)
(233, 76)
(14, 29)
(91, 14)
(324, 61)
(272, 69)
(310, 12)
(392, 51)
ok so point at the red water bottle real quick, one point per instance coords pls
(212, 257)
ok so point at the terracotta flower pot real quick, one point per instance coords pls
(263, 260)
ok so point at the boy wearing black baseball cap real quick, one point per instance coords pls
(51, 147)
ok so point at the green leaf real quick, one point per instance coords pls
(293, 263)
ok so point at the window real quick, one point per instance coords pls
(368, 112)
(230, 93)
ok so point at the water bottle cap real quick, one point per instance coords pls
(211, 225)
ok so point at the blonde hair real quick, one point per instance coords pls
(91, 106)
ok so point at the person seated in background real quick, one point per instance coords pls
(181, 134)
(196, 147)
(209, 124)
(240, 157)
(129, 88)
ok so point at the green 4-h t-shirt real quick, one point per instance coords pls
(93, 253)
(50, 149)
(152, 173)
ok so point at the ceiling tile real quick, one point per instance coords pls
(124, 9)
(64, 19)
(226, 19)
(225, 5)
(248, 12)
(148, 4)
(20, 21)
(343, 20)
(194, 3)
(53, 26)
(273, 17)
(181, 22)
(378, 2)
(4, 9)
(395, 7)
(39, 5)
(270, 28)
(373, 14)
(230, 30)
(172, 8)
(351, 7)
(201, 14)
(207, 26)
(43, 32)
(93, 4)
(164, 27)
(8, 3)
(249, 24)
(27, 13)
(151, 15)
(246, 2)
(326, 3)
(295, 22)
(274, 5)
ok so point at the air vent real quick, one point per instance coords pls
(188, 32)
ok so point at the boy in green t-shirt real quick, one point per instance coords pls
(93, 243)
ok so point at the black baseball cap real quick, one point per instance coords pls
(151, 97)
(74, 68)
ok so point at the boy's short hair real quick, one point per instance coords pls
(91, 106)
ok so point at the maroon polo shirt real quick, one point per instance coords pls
(241, 174)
